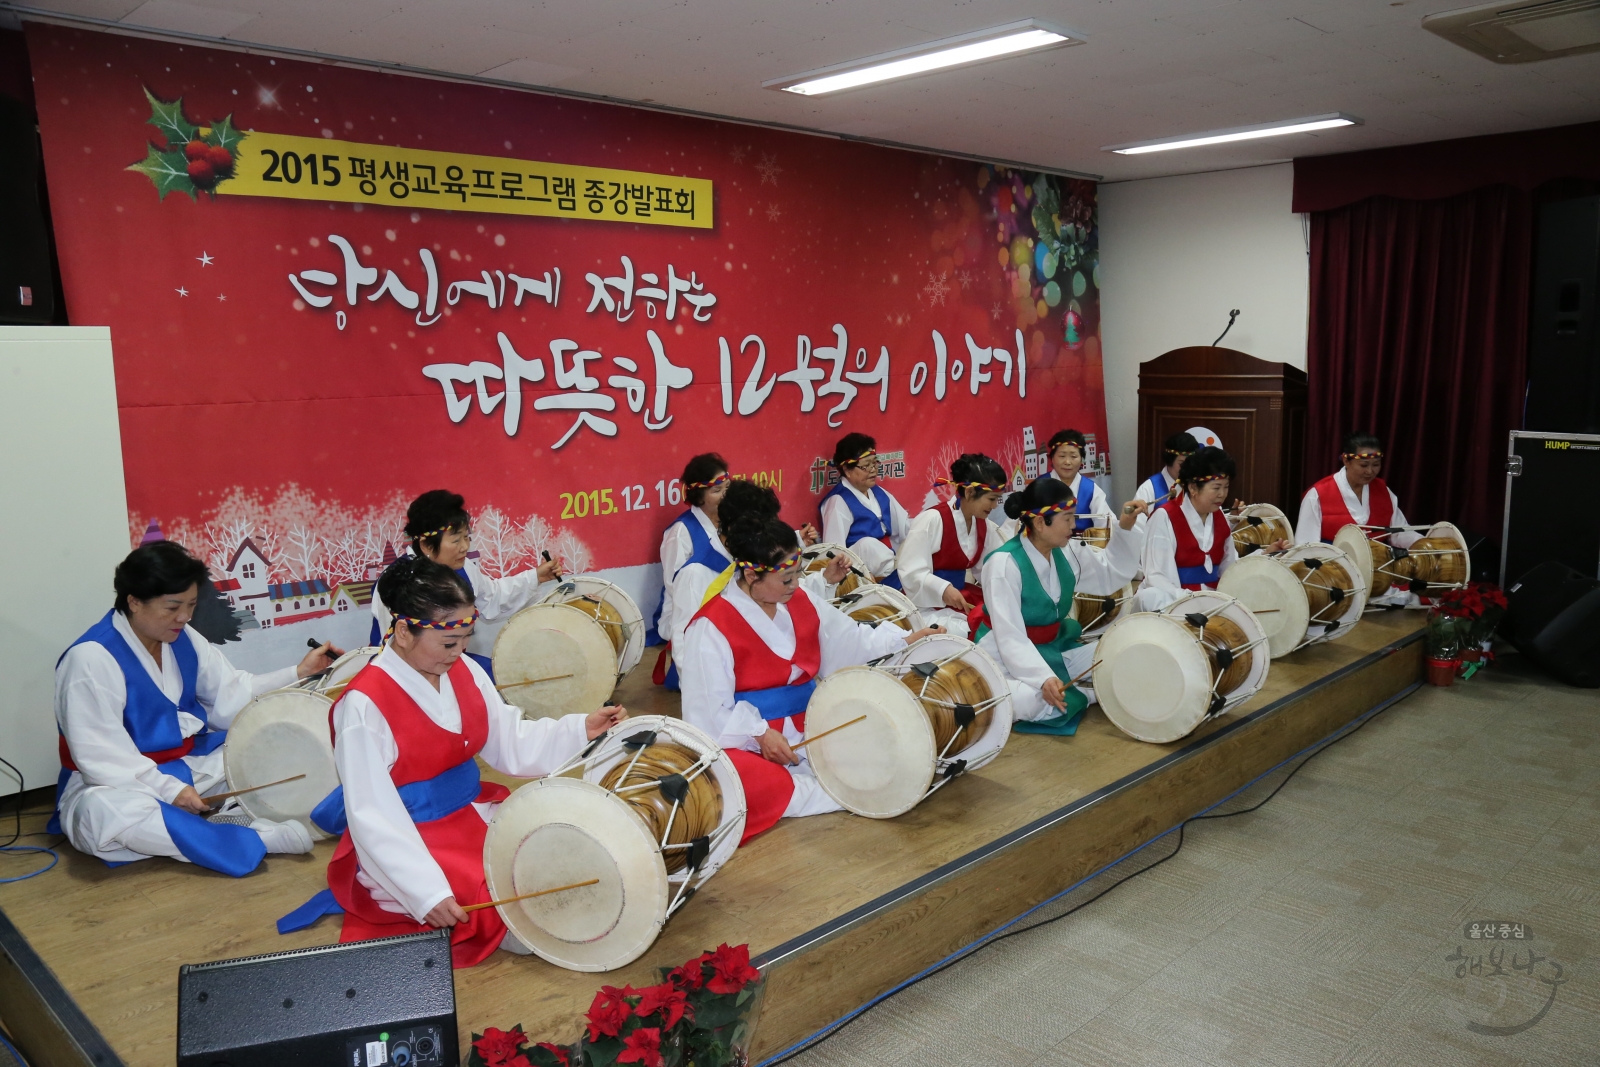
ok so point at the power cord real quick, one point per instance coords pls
(17, 835)
(13, 1049)
(1305, 756)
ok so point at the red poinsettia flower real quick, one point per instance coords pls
(519, 1060)
(690, 975)
(666, 999)
(731, 970)
(497, 1047)
(555, 1050)
(642, 1047)
(609, 1011)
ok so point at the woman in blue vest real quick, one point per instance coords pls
(1160, 486)
(1068, 451)
(441, 530)
(1028, 582)
(142, 700)
(859, 514)
(691, 548)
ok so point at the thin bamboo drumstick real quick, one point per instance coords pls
(213, 801)
(528, 896)
(1086, 673)
(835, 730)
(532, 681)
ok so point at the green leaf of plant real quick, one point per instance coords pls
(225, 134)
(168, 170)
(168, 118)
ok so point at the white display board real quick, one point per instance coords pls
(65, 526)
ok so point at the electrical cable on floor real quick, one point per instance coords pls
(1305, 756)
(17, 834)
(12, 1049)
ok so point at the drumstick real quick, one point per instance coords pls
(835, 730)
(527, 896)
(213, 801)
(1086, 673)
(533, 681)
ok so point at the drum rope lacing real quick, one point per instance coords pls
(929, 670)
(1220, 702)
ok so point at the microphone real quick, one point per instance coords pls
(1234, 314)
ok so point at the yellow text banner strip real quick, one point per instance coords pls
(314, 168)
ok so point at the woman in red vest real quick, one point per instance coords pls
(407, 735)
(945, 545)
(751, 658)
(1356, 495)
(1188, 541)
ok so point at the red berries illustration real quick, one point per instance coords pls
(208, 163)
(186, 157)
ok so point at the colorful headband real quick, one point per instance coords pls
(1204, 478)
(440, 532)
(1361, 455)
(970, 485)
(788, 561)
(1051, 509)
(856, 461)
(429, 624)
(1176, 453)
(721, 479)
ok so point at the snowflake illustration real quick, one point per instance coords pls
(965, 278)
(773, 213)
(769, 169)
(936, 289)
(994, 312)
(737, 152)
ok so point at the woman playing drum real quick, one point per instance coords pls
(1068, 452)
(407, 734)
(691, 551)
(858, 514)
(1157, 489)
(945, 545)
(1355, 494)
(1028, 582)
(752, 655)
(1189, 542)
(142, 700)
(441, 530)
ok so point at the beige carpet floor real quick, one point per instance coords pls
(1328, 929)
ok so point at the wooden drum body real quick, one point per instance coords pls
(1096, 611)
(932, 712)
(657, 811)
(1162, 675)
(1259, 525)
(1095, 536)
(1312, 593)
(874, 604)
(816, 557)
(1370, 557)
(279, 735)
(610, 606)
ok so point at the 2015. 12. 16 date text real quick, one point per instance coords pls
(597, 503)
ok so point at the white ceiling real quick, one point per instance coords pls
(1151, 68)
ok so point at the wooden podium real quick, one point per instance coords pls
(1257, 408)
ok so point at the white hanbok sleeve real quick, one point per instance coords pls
(835, 520)
(90, 697)
(676, 548)
(526, 748)
(914, 561)
(899, 521)
(1100, 507)
(1308, 529)
(1002, 600)
(846, 642)
(1160, 562)
(388, 847)
(1404, 538)
(224, 689)
(1105, 570)
(688, 594)
(499, 598)
(705, 672)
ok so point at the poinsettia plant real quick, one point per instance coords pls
(1478, 608)
(700, 1015)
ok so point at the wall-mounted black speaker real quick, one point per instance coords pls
(27, 288)
(1554, 620)
(384, 1003)
(1564, 319)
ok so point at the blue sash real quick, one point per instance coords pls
(864, 523)
(956, 578)
(1197, 576)
(780, 701)
(1160, 487)
(1085, 499)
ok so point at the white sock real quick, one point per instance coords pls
(288, 838)
(513, 944)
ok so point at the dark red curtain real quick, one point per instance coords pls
(1418, 332)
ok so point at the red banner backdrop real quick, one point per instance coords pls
(331, 289)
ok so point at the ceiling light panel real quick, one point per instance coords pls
(1238, 133)
(981, 46)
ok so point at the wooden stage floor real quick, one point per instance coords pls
(836, 908)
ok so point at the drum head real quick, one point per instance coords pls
(560, 831)
(345, 668)
(880, 767)
(874, 603)
(611, 751)
(549, 641)
(1353, 543)
(630, 637)
(1154, 680)
(1208, 601)
(279, 735)
(817, 556)
(1270, 517)
(1271, 590)
(986, 746)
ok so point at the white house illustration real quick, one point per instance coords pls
(246, 584)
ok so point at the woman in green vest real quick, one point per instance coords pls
(1028, 628)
